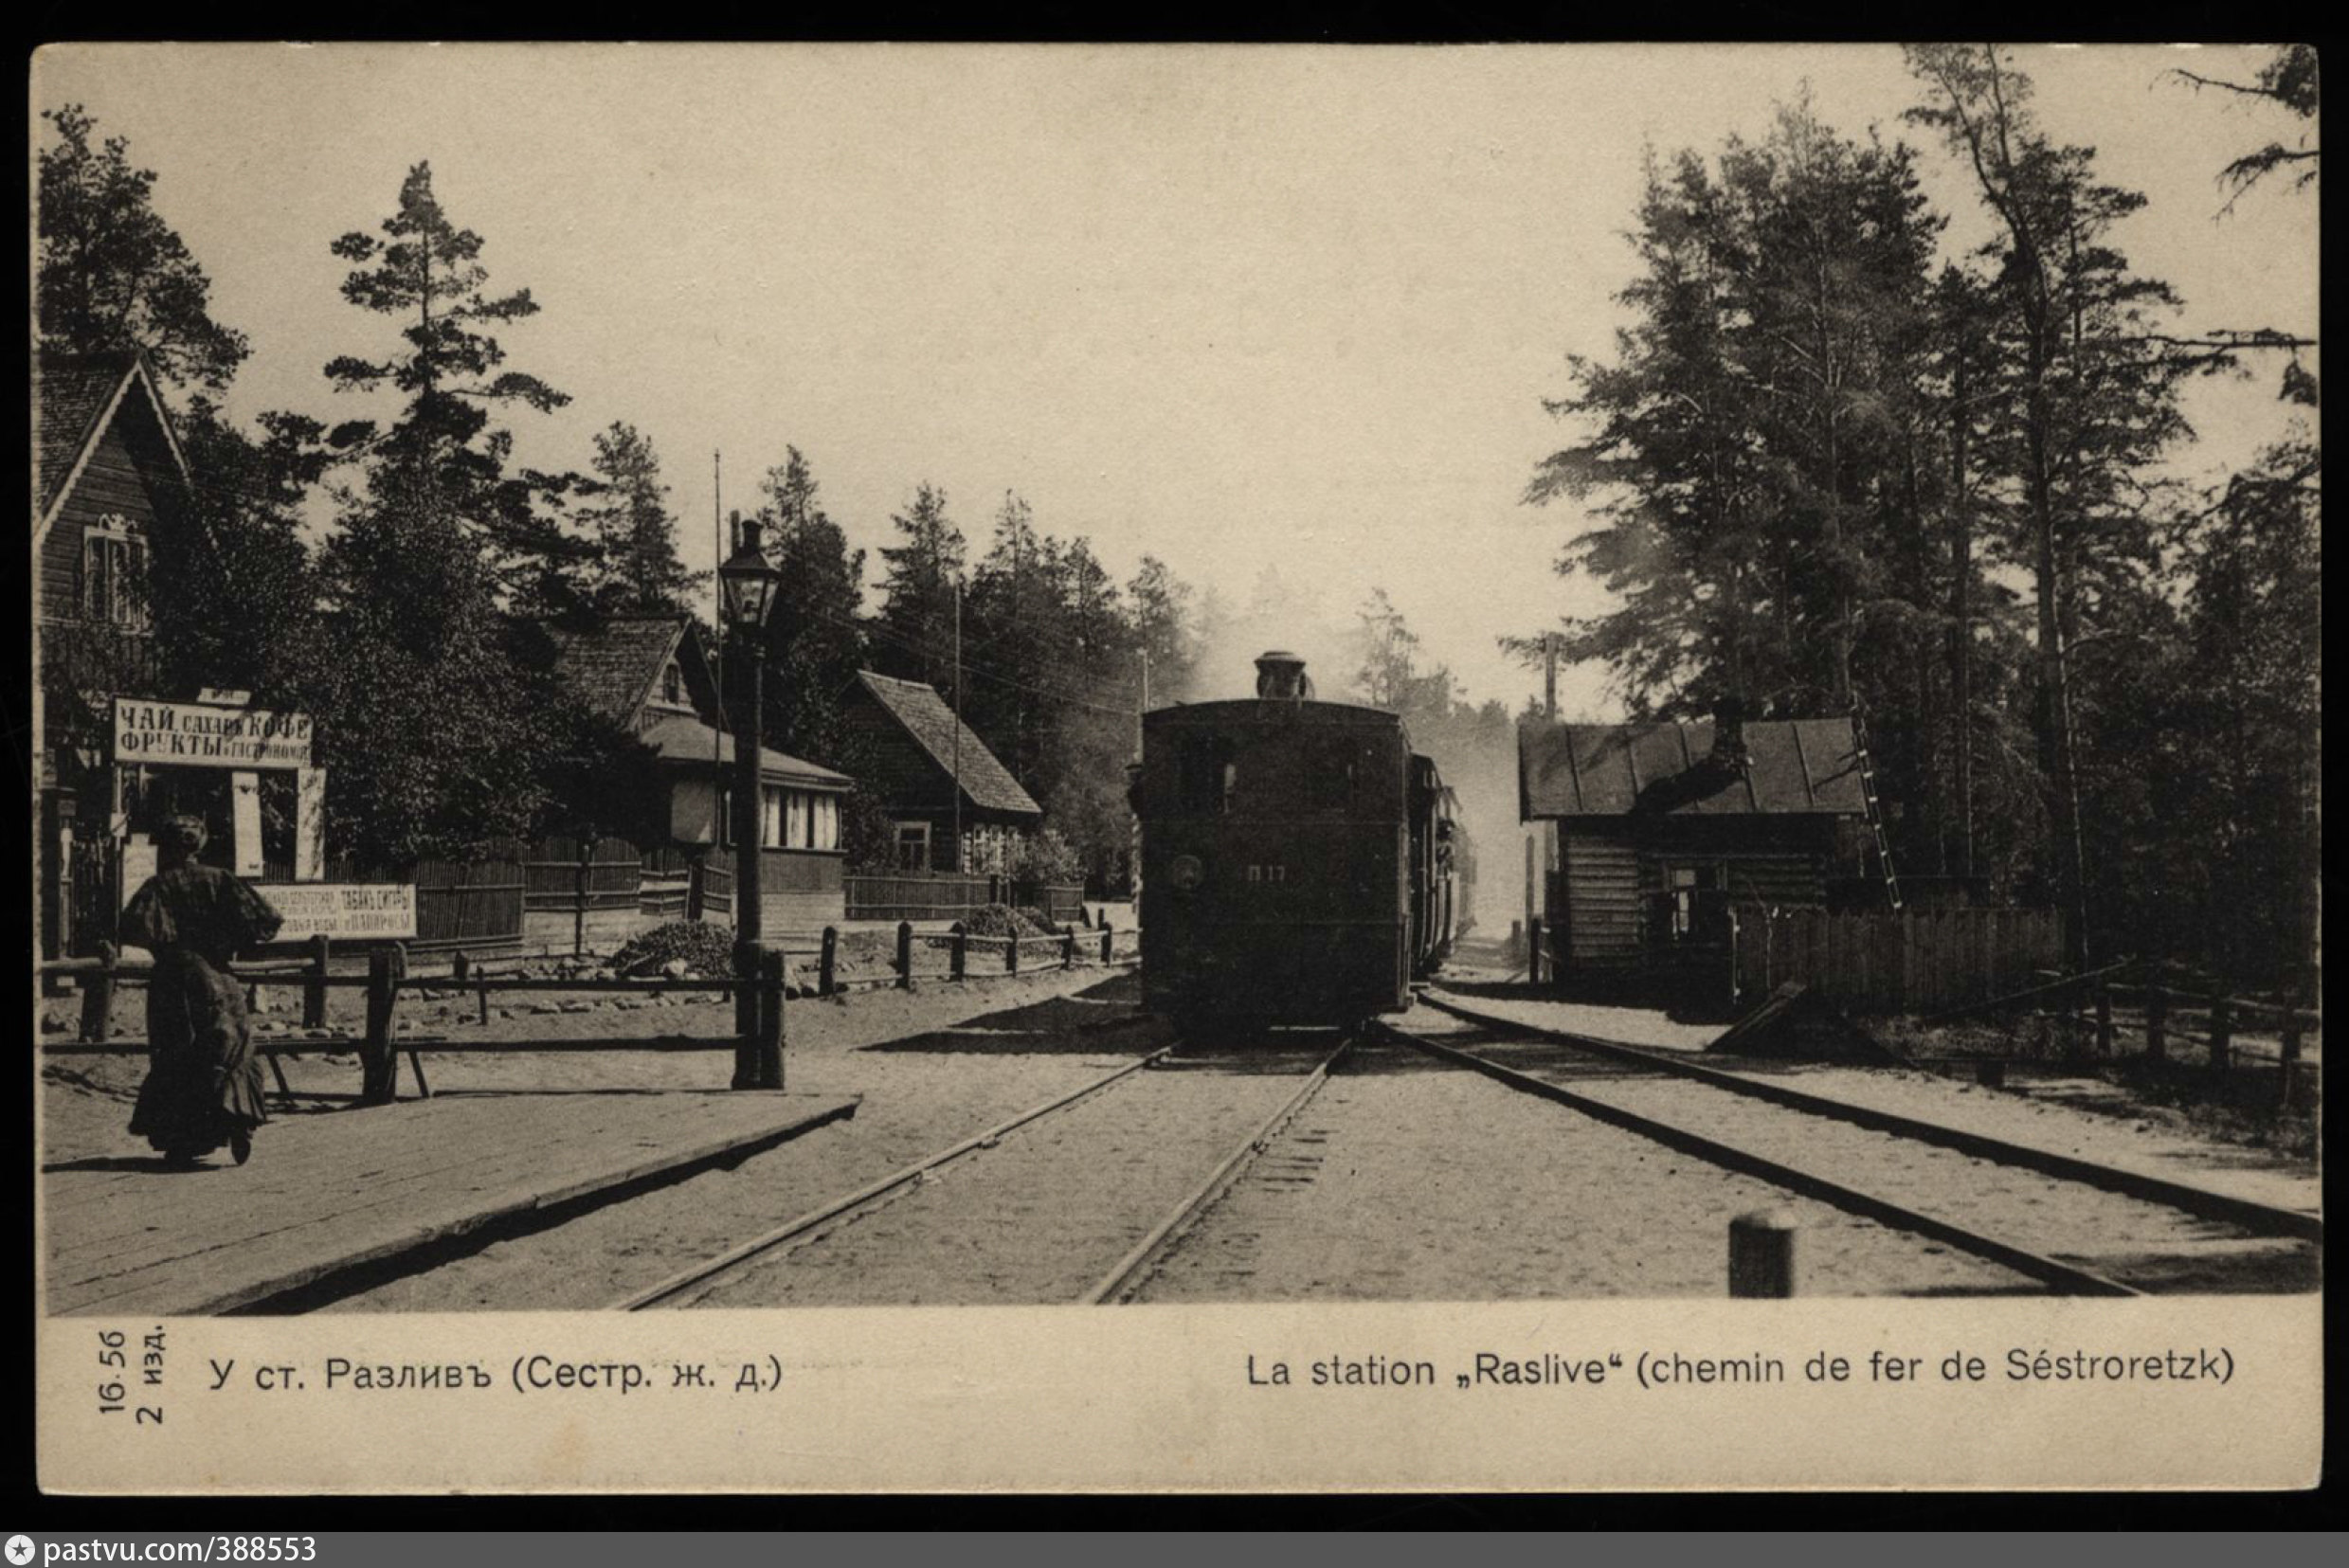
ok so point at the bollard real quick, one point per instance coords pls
(1761, 1253)
(1011, 953)
(1106, 939)
(314, 992)
(1533, 951)
(2222, 1030)
(828, 964)
(746, 1015)
(98, 996)
(377, 1081)
(2104, 1020)
(905, 955)
(1067, 949)
(767, 1069)
(1990, 1075)
(2158, 1024)
(958, 952)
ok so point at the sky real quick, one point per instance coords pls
(1284, 311)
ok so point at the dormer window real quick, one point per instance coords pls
(114, 574)
(673, 685)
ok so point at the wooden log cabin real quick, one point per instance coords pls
(654, 677)
(1662, 828)
(110, 477)
(923, 757)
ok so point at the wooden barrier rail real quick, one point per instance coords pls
(758, 1044)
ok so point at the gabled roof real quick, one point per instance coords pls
(924, 715)
(1794, 766)
(613, 668)
(75, 397)
(688, 741)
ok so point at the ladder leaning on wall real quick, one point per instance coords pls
(1875, 810)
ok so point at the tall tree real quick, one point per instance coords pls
(922, 572)
(2090, 390)
(637, 570)
(1751, 449)
(438, 713)
(426, 272)
(112, 275)
(815, 641)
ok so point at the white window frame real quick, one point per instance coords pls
(127, 606)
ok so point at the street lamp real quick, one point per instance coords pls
(749, 580)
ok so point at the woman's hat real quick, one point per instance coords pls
(186, 833)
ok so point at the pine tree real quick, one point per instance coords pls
(914, 631)
(427, 272)
(638, 571)
(112, 275)
(815, 643)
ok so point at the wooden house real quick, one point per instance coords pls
(652, 674)
(110, 477)
(923, 757)
(1662, 828)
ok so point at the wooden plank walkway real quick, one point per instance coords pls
(327, 1192)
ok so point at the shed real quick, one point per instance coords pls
(1662, 826)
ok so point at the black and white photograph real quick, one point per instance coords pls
(689, 682)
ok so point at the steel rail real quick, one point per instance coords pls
(2249, 1214)
(2065, 1277)
(685, 1280)
(1134, 1269)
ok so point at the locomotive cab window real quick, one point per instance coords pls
(1207, 779)
(1330, 776)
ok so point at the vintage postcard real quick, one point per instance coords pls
(771, 769)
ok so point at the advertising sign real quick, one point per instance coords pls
(343, 911)
(189, 734)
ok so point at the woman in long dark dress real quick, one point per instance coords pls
(204, 1085)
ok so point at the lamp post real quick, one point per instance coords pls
(748, 580)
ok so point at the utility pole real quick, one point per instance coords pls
(1133, 859)
(1549, 712)
(958, 725)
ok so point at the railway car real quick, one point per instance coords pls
(1294, 858)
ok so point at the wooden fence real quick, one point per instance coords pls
(918, 895)
(954, 896)
(1908, 961)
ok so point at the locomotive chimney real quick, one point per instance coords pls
(1281, 676)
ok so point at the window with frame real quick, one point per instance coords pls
(1205, 776)
(114, 574)
(1686, 887)
(1329, 775)
(673, 685)
(912, 846)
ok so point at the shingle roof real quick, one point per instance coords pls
(683, 740)
(986, 783)
(1794, 766)
(71, 394)
(612, 668)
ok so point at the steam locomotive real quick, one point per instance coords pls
(1299, 859)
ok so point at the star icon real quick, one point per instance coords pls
(20, 1550)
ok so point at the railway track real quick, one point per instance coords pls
(1118, 1284)
(1913, 1175)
